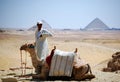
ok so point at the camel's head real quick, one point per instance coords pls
(27, 46)
(116, 55)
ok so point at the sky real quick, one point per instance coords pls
(72, 14)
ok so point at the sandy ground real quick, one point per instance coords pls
(96, 47)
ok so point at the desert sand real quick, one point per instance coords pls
(95, 47)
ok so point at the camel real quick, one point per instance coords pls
(114, 63)
(79, 72)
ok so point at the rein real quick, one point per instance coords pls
(23, 64)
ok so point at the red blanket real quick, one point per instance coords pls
(49, 58)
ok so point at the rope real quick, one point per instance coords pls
(21, 62)
(25, 62)
(23, 68)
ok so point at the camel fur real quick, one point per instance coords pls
(114, 63)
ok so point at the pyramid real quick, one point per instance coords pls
(96, 24)
(45, 26)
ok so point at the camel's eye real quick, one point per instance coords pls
(31, 46)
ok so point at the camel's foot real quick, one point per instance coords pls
(62, 78)
(85, 77)
(38, 77)
(107, 70)
(88, 76)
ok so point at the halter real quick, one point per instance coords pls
(31, 46)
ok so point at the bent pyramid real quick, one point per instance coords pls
(45, 26)
(96, 24)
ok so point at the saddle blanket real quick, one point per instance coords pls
(62, 63)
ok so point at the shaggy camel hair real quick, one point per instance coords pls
(114, 63)
(42, 68)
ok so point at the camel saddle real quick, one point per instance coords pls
(62, 63)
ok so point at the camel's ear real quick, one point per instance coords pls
(76, 50)
(54, 47)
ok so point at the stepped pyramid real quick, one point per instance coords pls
(45, 26)
(96, 24)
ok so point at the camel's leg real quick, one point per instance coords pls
(44, 73)
(79, 72)
(89, 69)
(38, 69)
(107, 69)
(82, 72)
(86, 76)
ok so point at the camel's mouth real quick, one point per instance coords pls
(23, 47)
(20, 48)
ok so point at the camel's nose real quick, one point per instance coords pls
(20, 48)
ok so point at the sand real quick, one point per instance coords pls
(95, 47)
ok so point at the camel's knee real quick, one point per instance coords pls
(78, 72)
(38, 69)
(89, 69)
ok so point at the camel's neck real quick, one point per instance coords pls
(33, 54)
(34, 57)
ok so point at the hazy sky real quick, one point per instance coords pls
(73, 14)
